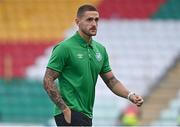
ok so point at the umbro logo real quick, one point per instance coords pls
(80, 56)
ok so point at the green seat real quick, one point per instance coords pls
(170, 10)
(24, 101)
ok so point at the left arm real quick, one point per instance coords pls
(118, 88)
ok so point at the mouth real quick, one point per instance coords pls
(93, 29)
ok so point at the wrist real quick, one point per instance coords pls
(64, 110)
(129, 95)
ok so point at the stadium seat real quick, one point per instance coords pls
(168, 116)
(29, 101)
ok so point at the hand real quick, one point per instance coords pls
(67, 114)
(136, 99)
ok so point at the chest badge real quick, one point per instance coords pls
(98, 56)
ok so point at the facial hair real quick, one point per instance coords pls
(88, 33)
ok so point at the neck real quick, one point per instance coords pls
(85, 37)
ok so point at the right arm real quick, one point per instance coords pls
(54, 93)
(51, 89)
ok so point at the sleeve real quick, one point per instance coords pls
(106, 67)
(58, 58)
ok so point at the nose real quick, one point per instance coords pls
(94, 23)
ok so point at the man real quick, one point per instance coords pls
(77, 62)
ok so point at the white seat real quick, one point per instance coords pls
(175, 104)
(169, 114)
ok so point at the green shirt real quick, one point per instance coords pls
(79, 64)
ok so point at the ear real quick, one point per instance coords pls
(77, 21)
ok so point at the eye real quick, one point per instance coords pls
(96, 19)
(89, 19)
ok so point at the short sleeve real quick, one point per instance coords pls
(58, 58)
(106, 67)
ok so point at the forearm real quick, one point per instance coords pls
(54, 94)
(118, 88)
(52, 90)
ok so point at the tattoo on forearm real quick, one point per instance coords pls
(111, 82)
(51, 88)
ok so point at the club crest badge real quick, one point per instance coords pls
(98, 56)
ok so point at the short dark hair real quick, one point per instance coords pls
(84, 8)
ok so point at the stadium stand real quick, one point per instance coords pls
(32, 26)
(170, 10)
(138, 61)
(36, 19)
(163, 93)
(27, 28)
(22, 55)
(142, 39)
(24, 100)
(169, 116)
(129, 9)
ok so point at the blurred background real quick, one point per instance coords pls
(142, 38)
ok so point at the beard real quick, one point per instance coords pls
(89, 33)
